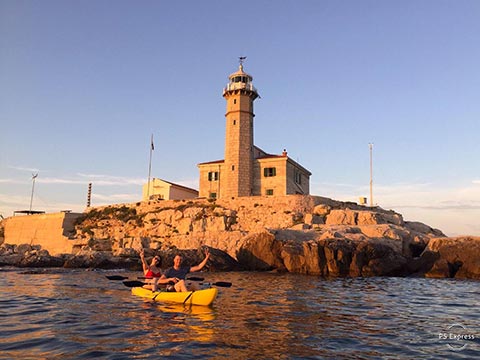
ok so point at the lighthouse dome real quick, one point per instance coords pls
(240, 80)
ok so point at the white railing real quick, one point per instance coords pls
(239, 86)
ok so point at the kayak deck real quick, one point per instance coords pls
(203, 297)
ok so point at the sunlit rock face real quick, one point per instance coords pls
(295, 233)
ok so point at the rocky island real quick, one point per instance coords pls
(294, 233)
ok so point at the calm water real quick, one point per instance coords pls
(81, 315)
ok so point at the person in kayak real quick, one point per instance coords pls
(154, 272)
(179, 272)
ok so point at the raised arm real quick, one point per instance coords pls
(144, 263)
(203, 263)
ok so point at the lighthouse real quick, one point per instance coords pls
(239, 149)
(246, 169)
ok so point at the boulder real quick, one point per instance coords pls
(304, 258)
(455, 257)
(421, 228)
(219, 260)
(341, 217)
(260, 251)
(338, 254)
(376, 258)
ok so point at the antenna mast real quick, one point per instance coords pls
(34, 176)
(152, 147)
(371, 173)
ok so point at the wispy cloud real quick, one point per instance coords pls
(115, 197)
(108, 180)
(454, 210)
(22, 168)
(80, 179)
(408, 195)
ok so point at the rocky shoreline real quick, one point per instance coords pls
(442, 258)
(298, 234)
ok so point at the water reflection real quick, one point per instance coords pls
(80, 314)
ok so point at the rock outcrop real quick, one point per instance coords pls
(301, 234)
(453, 257)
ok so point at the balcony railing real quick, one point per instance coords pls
(239, 86)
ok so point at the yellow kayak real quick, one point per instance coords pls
(203, 297)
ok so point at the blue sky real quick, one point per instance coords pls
(83, 84)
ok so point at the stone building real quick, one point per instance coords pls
(246, 169)
(166, 190)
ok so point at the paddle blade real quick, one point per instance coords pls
(222, 284)
(116, 277)
(195, 278)
(133, 283)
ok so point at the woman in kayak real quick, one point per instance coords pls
(154, 272)
(179, 272)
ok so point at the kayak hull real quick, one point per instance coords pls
(203, 297)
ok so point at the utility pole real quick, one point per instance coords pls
(34, 176)
(370, 145)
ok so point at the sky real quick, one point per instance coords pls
(84, 84)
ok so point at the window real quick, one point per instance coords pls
(269, 172)
(269, 192)
(298, 177)
(213, 195)
(213, 176)
(234, 122)
(234, 101)
(233, 167)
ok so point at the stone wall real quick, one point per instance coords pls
(53, 232)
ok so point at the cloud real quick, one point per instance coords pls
(115, 197)
(52, 180)
(108, 180)
(407, 195)
(80, 179)
(21, 168)
(454, 210)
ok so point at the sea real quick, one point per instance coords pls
(80, 314)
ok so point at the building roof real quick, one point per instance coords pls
(263, 157)
(290, 160)
(177, 185)
(212, 162)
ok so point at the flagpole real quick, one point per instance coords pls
(150, 167)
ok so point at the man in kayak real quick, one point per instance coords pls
(153, 272)
(179, 272)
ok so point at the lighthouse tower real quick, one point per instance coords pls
(238, 167)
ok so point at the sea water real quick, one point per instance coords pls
(80, 314)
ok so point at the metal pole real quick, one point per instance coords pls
(89, 194)
(371, 173)
(34, 176)
(150, 167)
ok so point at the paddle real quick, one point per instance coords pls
(192, 278)
(135, 283)
(119, 277)
(116, 277)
